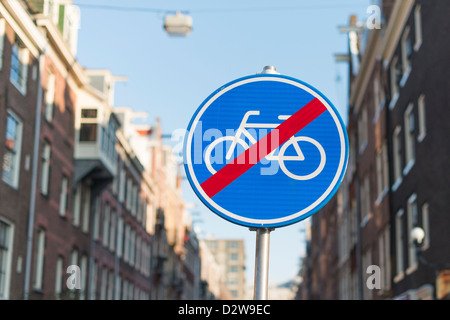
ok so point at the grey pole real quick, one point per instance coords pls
(260, 289)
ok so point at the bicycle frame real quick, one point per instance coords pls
(243, 130)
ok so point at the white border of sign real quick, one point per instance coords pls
(286, 219)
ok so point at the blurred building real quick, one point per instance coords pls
(230, 256)
(82, 185)
(397, 102)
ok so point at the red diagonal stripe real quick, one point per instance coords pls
(263, 147)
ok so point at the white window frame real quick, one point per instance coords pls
(399, 243)
(409, 130)
(126, 247)
(425, 212)
(45, 167)
(93, 284)
(422, 121)
(50, 96)
(406, 61)
(112, 229)
(59, 277)
(17, 150)
(77, 204)
(7, 263)
(96, 222)
(86, 209)
(39, 260)
(395, 88)
(384, 258)
(63, 195)
(122, 184)
(418, 27)
(132, 247)
(104, 284)
(106, 224)
(119, 235)
(23, 57)
(83, 276)
(412, 221)
(397, 161)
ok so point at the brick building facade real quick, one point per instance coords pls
(397, 106)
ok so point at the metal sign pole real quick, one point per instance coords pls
(260, 288)
(261, 263)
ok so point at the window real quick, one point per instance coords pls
(109, 137)
(96, 226)
(6, 247)
(106, 222)
(384, 258)
(125, 290)
(412, 222)
(233, 269)
(139, 244)
(45, 168)
(119, 235)
(122, 185)
(126, 247)
(83, 278)
(104, 284)
(132, 247)
(426, 226)
(129, 193)
(399, 243)
(59, 277)
(86, 209)
(362, 130)
(395, 73)
(39, 260)
(422, 118)
(88, 126)
(365, 200)
(407, 49)
(77, 205)
(88, 132)
(89, 113)
(112, 232)
(63, 195)
(418, 27)
(12, 149)
(74, 261)
(379, 95)
(93, 284)
(50, 97)
(19, 66)
(409, 138)
(74, 257)
(135, 200)
(2, 41)
(396, 145)
(110, 285)
(366, 262)
(234, 257)
(382, 172)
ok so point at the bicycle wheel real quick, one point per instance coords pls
(311, 175)
(213, 145)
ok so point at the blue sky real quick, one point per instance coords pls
(170, 77)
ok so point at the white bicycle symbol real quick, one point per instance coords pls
(281, 158)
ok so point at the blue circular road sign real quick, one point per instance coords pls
(265, 151)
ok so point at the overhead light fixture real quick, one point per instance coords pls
(178, 25)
